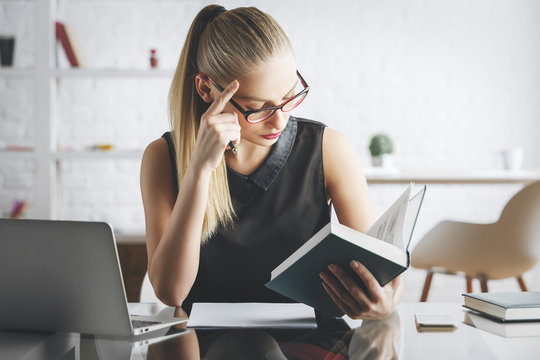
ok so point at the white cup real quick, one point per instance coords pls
(512, 159)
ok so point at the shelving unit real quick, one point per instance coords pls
(47, 84)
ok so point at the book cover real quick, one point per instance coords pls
(506, 305)
(62, 37)
(74, 45)
(505, 329)
(385, 257)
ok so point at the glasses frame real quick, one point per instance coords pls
(246, 113)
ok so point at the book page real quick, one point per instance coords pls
(389, 227)
(413, 209)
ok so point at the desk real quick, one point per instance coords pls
(397, 334)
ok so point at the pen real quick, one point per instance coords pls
(233, 148)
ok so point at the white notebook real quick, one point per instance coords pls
(249, 315)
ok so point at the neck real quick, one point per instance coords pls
(249, 158)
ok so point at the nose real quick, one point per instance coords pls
(278, 120)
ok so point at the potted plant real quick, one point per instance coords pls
(379, 146)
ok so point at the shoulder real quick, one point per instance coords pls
(331, 137)
(156, 152)
(156, 162)
(339, 154)
(309, 126)
(335, 141)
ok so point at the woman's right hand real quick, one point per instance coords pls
(216, 130)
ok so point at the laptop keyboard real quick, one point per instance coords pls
(140, 323)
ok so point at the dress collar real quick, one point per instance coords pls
(265, 174)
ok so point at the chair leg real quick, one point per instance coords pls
(469, 284)
(521, 283)
(483, 285)
(427, 285)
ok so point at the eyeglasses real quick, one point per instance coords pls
(259, 115)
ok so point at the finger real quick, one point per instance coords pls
(351, 286)
(344, 307)
(374, 290)
(226, 118)
(221, 100)
(341, 292)
(228, 132)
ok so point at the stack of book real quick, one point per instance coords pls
(508, 314)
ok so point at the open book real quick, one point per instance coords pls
(383, 249)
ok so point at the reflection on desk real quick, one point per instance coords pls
(394, 337)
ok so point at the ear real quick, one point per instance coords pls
(204, 87)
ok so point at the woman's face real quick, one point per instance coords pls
(270, 84)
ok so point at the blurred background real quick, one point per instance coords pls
(455, 85)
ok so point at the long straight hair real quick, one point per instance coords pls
(224, 45)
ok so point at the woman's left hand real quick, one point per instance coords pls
(370, 301)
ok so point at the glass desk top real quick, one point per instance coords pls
(393, 338)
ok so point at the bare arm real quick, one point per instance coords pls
(347, 187)
(345, 182)
(174, 223)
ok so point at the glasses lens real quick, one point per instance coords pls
(294, 102)
(260, 115)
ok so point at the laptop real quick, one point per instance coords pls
(65, 276)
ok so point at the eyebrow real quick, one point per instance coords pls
(254, 98)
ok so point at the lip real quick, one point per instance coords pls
(272, 136)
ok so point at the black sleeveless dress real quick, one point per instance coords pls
(278, 207)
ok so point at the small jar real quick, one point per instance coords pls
(153, 58)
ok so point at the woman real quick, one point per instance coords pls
(217, 220)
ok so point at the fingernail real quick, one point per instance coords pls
(354, 264)
(233, 84)
(332, 267)
(321, 275)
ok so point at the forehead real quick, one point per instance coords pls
(270, 80)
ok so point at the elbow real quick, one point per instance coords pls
(170, 298)
(167, 294)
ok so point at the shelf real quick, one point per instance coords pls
(114, 73)
(16, 73)
(98, 154)
(13, 155)
(396, 176)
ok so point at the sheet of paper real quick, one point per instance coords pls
(244, 315)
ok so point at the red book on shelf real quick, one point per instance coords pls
(62, 36)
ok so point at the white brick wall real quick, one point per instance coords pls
(17, 17)
(100, 190)
(17, 179)
(126, 112)
(453, 82)
(16, 112)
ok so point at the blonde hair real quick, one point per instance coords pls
(224, 45)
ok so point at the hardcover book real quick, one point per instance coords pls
(383, 249)
(502, 328)
(506, 306)
(66, 40)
